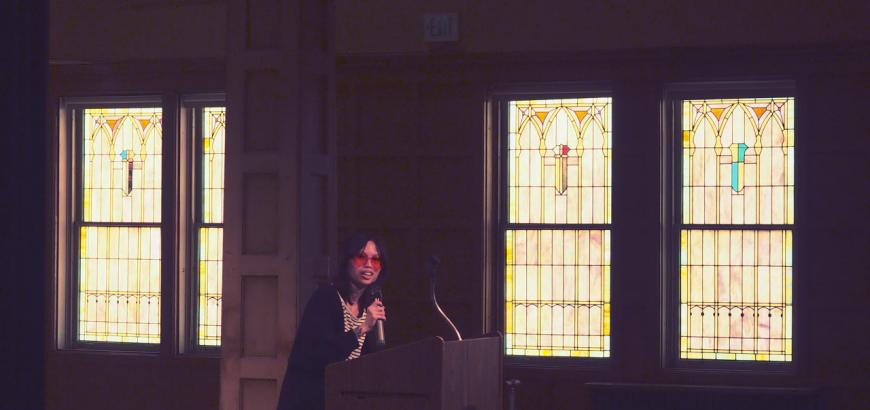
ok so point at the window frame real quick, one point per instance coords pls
(497, 214)
(191, 111)
(72, 111)
(180, 178)
(672, 222)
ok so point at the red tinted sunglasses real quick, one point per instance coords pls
(361, 259)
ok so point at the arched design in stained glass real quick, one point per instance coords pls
(738, 161)
(213, 160)
(120, 242)
(121, 165)
(736, 280)
(557, 259)
(559, 166)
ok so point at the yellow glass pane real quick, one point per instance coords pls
(558, 285)
(210, 285)
(119, 284)
(738, 161)
(121, 165)
(735, 295)
(213, 163)
(559, 163)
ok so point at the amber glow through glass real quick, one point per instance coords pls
(212, 163)
(736, 283)
(119, 239)
(557, 245)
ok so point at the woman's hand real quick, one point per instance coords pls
(374, 312)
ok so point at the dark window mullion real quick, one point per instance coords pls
(732, 227)
(77, 128)
(555, 227)
(170, 229)
(122, 224)
(194, 169)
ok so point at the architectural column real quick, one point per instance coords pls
(280, 187)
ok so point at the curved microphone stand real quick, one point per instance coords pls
(432, 265)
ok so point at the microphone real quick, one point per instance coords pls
(380, 340)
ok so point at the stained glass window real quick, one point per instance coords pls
(120, 242)
(210, 234)
(557, 236)
(736, 240)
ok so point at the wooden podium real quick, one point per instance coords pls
(430, 374)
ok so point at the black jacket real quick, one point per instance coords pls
(321, 340)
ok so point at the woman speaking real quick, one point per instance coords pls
(336, 323)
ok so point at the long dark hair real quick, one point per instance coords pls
(355, 244)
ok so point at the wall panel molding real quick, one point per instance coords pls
(261, 219)
(259, 315)
(280, 210)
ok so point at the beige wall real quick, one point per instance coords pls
(392, 141)
(108, 30)
(389, 26)
(114, 30)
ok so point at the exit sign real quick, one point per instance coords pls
(440, 27)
